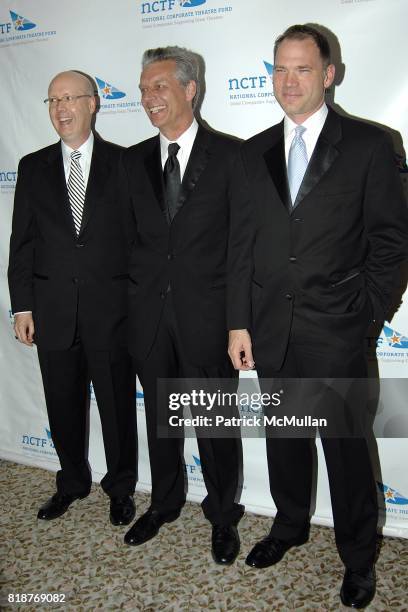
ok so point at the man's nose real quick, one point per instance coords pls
(60, 103)
(147, 94)
(291, 78)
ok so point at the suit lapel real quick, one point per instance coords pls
(197, 162)
(276, 164)
(99, 174)
(58, 185)
(324, 154)
(154, 171)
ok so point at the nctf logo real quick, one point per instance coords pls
(251, 82)
(252, 88)
(19, 22)
(21, 26)
(38, 443)
(180, 12)
(108, 91)
(8, 176)
(391, 496)
(8, 180)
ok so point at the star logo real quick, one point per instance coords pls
(108, 91)
(395, 339)
(389, 494)
(20, 22)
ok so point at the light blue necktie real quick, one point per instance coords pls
(297, 162)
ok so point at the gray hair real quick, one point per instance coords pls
(187, 66)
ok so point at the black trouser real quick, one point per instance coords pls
(290, 463)
(220, 457)
(66, 376)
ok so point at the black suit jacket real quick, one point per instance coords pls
(64, 279)
(189, 254)
(330, 260)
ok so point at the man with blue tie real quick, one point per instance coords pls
(319, 229)
(68, 288)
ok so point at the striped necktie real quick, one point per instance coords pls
(76, 190)
(297, 162)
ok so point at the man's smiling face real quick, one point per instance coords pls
(166, 101)
(72, 120)
(300, 78)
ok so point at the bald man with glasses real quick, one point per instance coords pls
(68, 288)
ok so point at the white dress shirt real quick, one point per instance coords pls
(313, 125)
(185, 142)
(84, 161)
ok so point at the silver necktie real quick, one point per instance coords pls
(297, 162)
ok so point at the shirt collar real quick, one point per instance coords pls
(186, 138)
(312, 123)
(85, 149)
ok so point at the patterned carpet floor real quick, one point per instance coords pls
(83, 556)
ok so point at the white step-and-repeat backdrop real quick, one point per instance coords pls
(235, 37)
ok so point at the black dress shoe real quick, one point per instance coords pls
(271, 550)
(224, 544)
(122, 510)
(148, 525)
(56, 506)
(358, 587)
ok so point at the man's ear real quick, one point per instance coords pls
(191, 90)
(329, 75)
(92, 104)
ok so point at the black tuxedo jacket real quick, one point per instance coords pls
(329, 261)
(63, 279)
(189, 255)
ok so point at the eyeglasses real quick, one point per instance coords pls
(70, 100)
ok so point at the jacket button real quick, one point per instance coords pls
(292, 259)
(289, 296)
